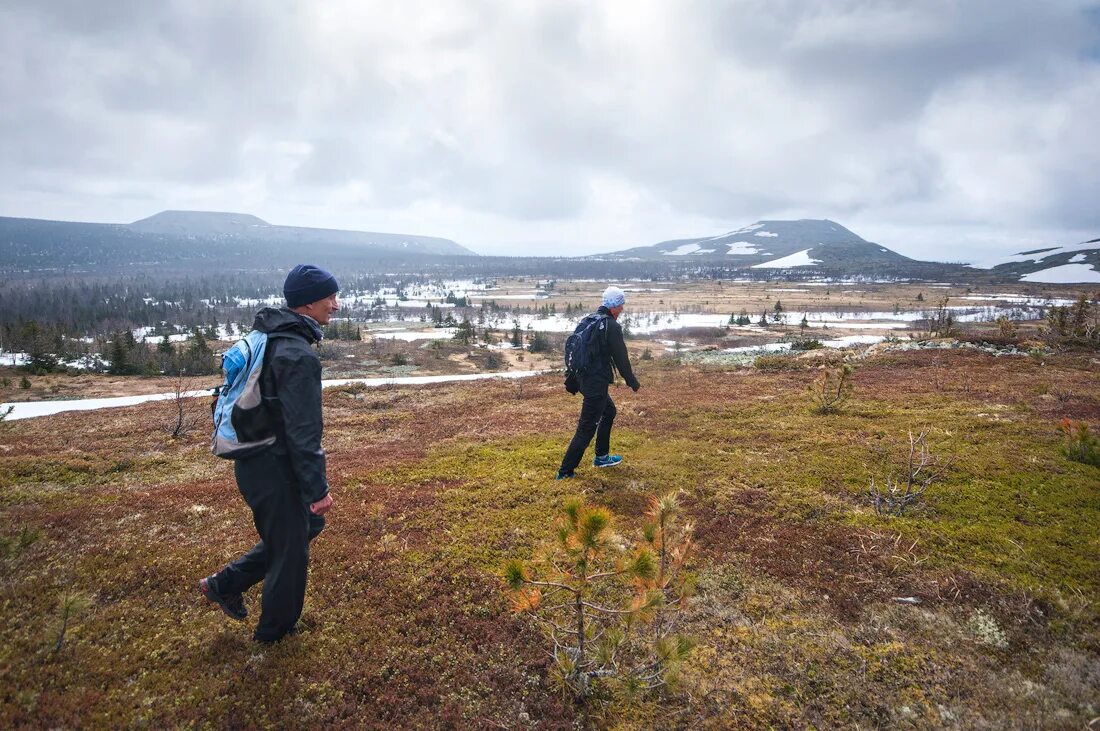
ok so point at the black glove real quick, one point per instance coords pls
(635, 386)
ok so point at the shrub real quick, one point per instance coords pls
(770, 362)
(802, 344)
(647, 354)
(1006, 327)
(24, 383)
(12, 547)
(831, 389)
(903, 490)
(609, 611)
(1080, 446)
(399, 359)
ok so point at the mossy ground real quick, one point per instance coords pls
(436, 487)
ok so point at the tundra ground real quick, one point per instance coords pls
(108, 524)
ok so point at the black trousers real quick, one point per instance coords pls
(597, 415)
(281, 558)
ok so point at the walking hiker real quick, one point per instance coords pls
(284, 484)
(598, 349)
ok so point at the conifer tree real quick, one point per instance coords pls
(611, 612)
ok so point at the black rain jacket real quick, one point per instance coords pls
(611, 355)
(291, 390)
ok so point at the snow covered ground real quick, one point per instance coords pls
(32, 409)
(646, 323)
(437, 333)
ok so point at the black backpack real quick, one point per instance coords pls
(581, 348)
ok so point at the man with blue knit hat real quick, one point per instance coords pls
(285, 485)
(605, 352)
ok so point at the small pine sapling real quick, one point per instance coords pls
(1006, 327)
(609, 611)
(831, 389)
(1081, 446)
(70, 606)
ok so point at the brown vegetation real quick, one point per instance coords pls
(797, 621)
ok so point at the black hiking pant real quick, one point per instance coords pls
(597, 415)
(281, 558)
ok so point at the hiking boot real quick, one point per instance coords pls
(231, 604)
(608, 460)
(564, 475)
(268, 641)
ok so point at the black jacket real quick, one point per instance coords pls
(611, 354)
(291, 389)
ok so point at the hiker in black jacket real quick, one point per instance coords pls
(607, 351)
(284, 485)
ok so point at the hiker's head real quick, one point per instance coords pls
(614, 299)
(311, 291)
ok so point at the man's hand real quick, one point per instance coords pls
(321, 506)
(635, 386)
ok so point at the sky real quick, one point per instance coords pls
(943, 129)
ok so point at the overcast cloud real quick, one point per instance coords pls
(943, 129)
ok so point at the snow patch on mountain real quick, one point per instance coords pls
(1064, 274)
(798, 259)
(684, 250)
(743, 248)
(1034, 255)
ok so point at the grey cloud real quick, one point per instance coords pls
(722, 112)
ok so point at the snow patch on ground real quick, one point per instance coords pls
(408, 336)
(766, 234)
(798, 259)
(1064, 274)
(14, 359)
(32, 409)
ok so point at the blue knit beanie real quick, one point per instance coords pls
(307, 284)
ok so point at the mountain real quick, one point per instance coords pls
(814, 247)
(186, 241)
(208, 224)
(196, 223)
(1052, 264)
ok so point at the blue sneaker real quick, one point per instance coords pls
(608, 460)
(564, 475)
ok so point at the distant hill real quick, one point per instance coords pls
(200, 240)
(1053, 264)
(813, 247)
(823, 248)
(207, 224)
